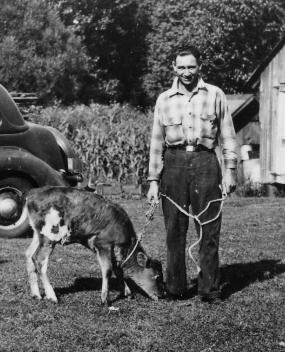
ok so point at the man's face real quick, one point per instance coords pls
(187, 69)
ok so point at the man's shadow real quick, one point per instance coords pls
(237, 276)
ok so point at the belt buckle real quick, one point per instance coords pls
(190, 148)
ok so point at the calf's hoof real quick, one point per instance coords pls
(106, 303)
(36, 297)
(52, 299)
(130, 296)
(124, 296)
(154, 297)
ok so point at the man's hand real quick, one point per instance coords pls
(230, 180)
(152, 194)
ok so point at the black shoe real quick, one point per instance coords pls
(211, 300)
(174, 297)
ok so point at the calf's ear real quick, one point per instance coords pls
(142, 259)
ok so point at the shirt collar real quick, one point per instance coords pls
(175, 89)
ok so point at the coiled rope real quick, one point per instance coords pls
(201, 224)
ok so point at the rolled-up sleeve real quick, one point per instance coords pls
(228, 141)
(156, 145)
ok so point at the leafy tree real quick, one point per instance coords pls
(113, 32)
(38, 53)
(233, 36)
(120, 50)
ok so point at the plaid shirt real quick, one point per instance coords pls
(197, 117)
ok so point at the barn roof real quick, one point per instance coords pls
(244, 109)
(238, 102)
(255, 76)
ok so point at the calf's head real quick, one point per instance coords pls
(147, 274)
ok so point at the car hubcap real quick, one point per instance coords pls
(11, 206)
(8, 208)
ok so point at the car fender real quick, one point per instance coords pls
(17, 160)
(62, 142)
(65, 146)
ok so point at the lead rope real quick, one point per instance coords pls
(201, 224)
(149, 218)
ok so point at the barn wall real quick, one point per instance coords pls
(248, 138)
(272, 103)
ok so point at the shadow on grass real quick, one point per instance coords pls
(87, 284)
(95, 284)
(235, 277)
(4, 261)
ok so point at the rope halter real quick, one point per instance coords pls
(149, 217)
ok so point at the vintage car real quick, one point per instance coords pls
(31, 156)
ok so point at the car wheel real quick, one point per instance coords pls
(13, 215)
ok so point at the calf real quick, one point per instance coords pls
(68, 215)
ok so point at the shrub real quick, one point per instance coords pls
(251, 189)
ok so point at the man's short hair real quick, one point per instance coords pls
(187, 49)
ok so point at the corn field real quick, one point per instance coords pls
(111, 141)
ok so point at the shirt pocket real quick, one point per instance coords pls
(209, 125)
(173, 129)
(171, 120)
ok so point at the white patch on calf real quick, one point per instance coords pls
(52, 220)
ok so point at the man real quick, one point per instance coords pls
(190, 120)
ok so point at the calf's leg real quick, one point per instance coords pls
(104, 259)
(31, 268)
(42, 260)
(124, 288)
(118, 253)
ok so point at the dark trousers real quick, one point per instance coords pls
(191, 178)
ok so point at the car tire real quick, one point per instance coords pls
(15, 187)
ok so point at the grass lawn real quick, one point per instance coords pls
(251, 318)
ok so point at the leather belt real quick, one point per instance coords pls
(191, 148)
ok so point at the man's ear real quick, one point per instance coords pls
(174, 66)
(142, 259)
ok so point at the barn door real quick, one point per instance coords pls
(280, 138)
